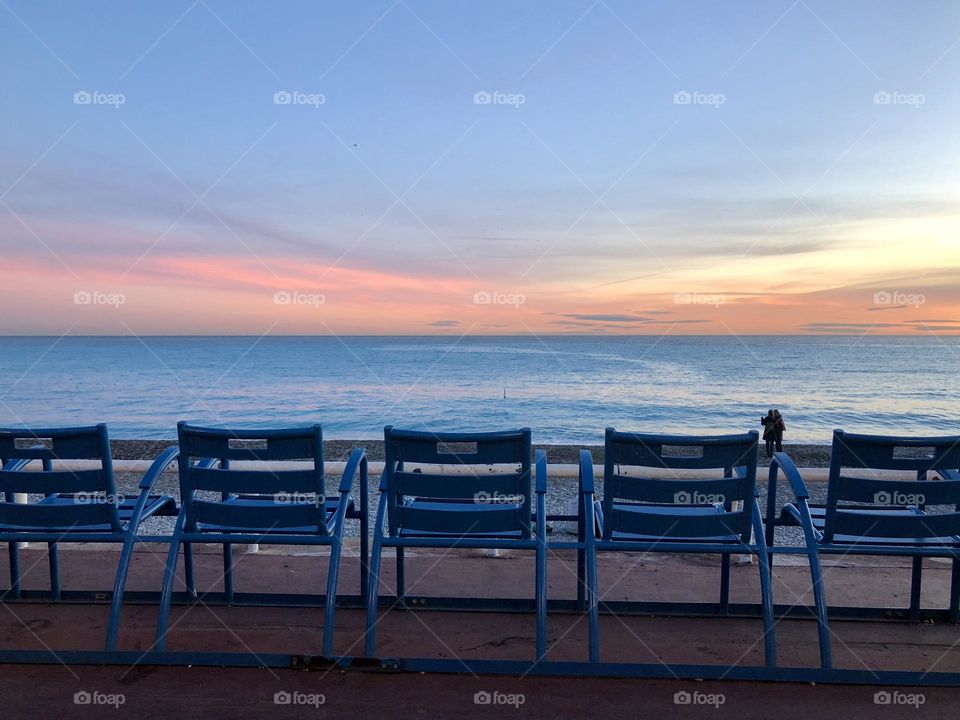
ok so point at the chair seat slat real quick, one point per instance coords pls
(59, 515)
(262, 482)
(54, 481)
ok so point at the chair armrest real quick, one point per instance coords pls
(541, 471)
(586, 472)
(383, 478)
(782, 461)
(358, 459)
(163, 461)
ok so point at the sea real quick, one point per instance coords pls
(566, 388)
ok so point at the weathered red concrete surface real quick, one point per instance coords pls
(231, 693)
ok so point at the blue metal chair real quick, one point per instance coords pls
(78, 505)
(478, 509)
(876, 516)
(224, 504)
(648, 515)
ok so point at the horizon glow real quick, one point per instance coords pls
(420, 168)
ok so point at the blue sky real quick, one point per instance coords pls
(785, 185)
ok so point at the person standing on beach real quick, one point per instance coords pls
(778, 428)
(769, 422)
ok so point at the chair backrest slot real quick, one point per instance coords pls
(729, 465)
(498, 498)
(852, 454)
(89, 499)
(278, 498)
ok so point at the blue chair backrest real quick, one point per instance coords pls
(95, 492)
(853, 454)
(508, 491)
(731, 458)
(295, 497)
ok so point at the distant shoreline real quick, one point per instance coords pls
(804, 455)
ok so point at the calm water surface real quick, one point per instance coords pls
(566, 388)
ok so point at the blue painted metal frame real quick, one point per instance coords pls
(874, 523)
(587, 546)
(488, 510)
(280, 507)
(640, 514)
(77, 506)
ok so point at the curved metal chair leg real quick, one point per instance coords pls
(116, 603)
(228, 572)
(541, 601)
(401, 580)
(53, 558)
(163, 619)
(330, 606)
(593, 607)
(188, 569)
(820, 602)
(14, 553)
(954, 610)
(766, 599)
(373, 586)
(916, 581)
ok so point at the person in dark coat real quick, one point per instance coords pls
(769, 422)
(779, 427)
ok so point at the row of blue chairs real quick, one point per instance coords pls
(485, 490)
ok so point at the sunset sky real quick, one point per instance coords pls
(505, 167)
